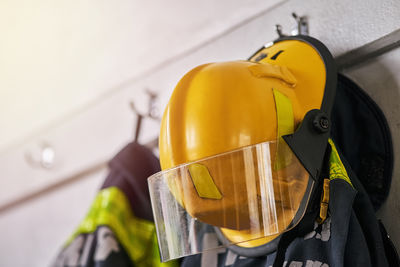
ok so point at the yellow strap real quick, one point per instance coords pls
(285, 121)
(137, 236)
(336, 167)
(203, 182)
(323, 210)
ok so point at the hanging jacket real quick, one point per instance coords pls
(118, 229)
(350, 235)
(369, 153)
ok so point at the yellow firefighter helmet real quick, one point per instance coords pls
(225, 165)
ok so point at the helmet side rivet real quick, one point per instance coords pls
(321, 123)
(324, 123)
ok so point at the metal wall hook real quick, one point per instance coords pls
(301, 27)
(152, 112)
(152, 105)
(138, 121)
(43, 157)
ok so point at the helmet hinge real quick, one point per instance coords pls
(310, 140)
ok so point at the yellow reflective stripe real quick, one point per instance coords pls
(137, 236)
(284, 113)
(285, 121)
(203, 182)
(336, 167)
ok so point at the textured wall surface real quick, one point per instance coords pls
(94, 133)
(34, 233)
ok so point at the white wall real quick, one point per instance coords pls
(58, 57)
(104, 74)
(33, 234)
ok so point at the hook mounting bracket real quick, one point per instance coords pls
(152, 112)
(301, 27)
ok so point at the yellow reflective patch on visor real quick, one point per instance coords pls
(203, 182)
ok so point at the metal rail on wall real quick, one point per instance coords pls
(369, 51)
(355, 56)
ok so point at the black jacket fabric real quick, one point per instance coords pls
(361, 131)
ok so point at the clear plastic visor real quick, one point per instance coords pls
(249, 194)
